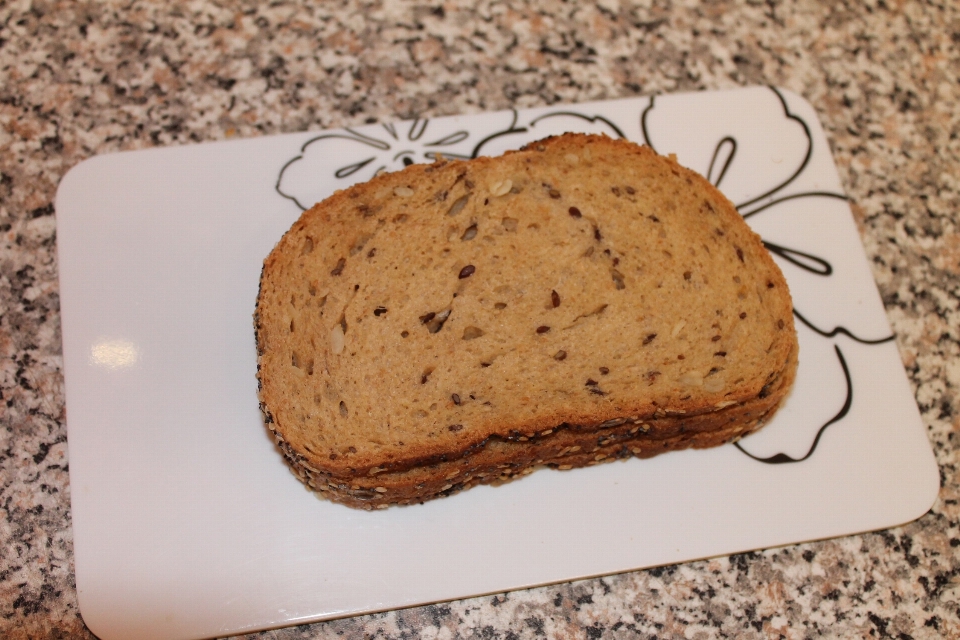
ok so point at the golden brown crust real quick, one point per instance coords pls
(662, 302)
(448, 478)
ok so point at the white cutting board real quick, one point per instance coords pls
(187, 522)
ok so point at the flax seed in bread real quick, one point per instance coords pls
(577, 301)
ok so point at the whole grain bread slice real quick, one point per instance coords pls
(425, 316)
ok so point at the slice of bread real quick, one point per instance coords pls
(576, 301)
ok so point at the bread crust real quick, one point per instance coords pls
(449, 478)
(511, 460)
(306, 298)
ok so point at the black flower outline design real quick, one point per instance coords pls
(723, 156)
(367, 154)
(404, 147)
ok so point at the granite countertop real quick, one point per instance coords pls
(79, 79)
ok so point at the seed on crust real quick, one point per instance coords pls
(337, 339)
(471, 333)
(501, 188)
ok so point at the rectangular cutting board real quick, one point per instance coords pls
(187, 523)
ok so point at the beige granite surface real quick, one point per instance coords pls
(83, 78)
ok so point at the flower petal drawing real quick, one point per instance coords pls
(840, 330)
(796, 209)
(783, 458)
(304, 179)
(731, 145)
(335, 160)
(793, 232)
(822, 387)
(805, 261)
(720, 162)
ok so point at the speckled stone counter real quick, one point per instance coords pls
(79, 79)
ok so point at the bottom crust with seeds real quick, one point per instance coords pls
(501, 461)
(380, 497)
